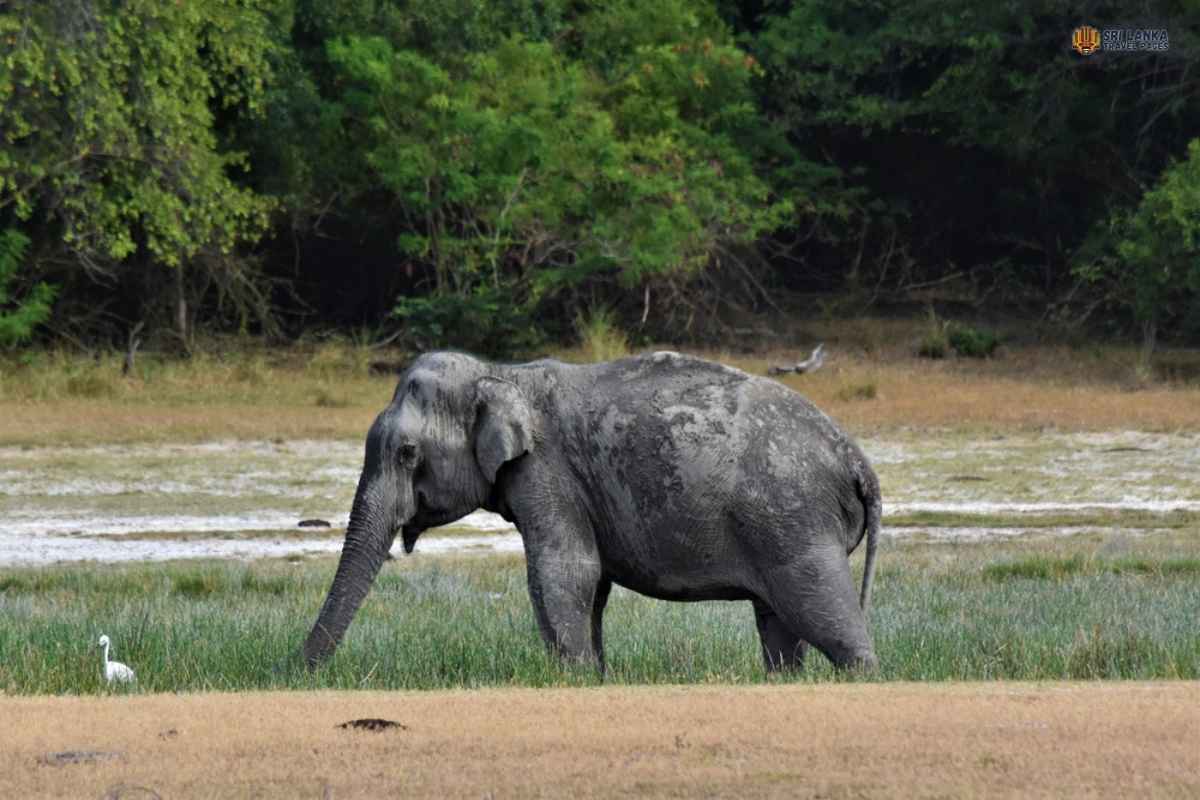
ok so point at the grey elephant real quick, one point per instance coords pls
(673, 476)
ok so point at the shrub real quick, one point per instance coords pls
(488, 321)
(942, 336)
(973, 342)
(17, 324)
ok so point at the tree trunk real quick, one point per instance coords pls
(1149, 343)
(181, 311)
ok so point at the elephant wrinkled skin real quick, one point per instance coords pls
(673, 476)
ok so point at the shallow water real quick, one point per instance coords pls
(244, 499)
(54, 549)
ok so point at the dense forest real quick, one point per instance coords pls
(479, 173)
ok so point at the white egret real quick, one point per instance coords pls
(115, 671)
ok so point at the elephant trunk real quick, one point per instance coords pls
(373, 522)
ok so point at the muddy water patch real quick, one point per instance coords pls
(27, 523)
(36, 522)
(229, 469)
(1038, 472)
(224, 498)
(44, 550)
(215, 499)
(1127, 504)
(999, 533)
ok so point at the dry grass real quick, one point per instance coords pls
(79, 422)
(980, 395)
(963, 740)
(872, 381)
(301, 392)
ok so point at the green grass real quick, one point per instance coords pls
(1077, 610)
(1102, 518)
(1042, 567)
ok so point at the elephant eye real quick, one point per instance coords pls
(408, 454)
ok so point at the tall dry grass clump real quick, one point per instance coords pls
(337, 359)
(601, 337)
(57, 375)
(332, 364)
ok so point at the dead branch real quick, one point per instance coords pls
(810, 364)
(135, 342)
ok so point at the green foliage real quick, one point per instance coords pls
(487, 321)
(524, 169)
(109, 113)
(1153, 260)
(17, 323)
(553, 154)
(109, 128)
(943, 336)
(972, 342)
(971, 128)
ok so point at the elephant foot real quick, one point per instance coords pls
(860, 664)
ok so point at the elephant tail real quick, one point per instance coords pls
(868, 492)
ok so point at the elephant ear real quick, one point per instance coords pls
(503, 427)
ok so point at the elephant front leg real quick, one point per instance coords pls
(568, 593)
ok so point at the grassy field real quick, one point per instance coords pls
(1102, 605)
(872, 381)
(1113, 602)
(1116, 599)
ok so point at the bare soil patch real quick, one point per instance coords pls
(829, 740)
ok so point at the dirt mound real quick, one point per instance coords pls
(372, 724)
(849, 740)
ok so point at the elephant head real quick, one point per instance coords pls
(432, 456)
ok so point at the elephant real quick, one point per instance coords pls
(673, 476)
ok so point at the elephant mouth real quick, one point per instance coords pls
(409, 538)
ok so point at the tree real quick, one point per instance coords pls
(530, 169)
(1154, 266)
(971, 128)
(109, 112)
(19, 318)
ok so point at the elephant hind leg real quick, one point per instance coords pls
(782, 650)
(598, 603)
(816, 599)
